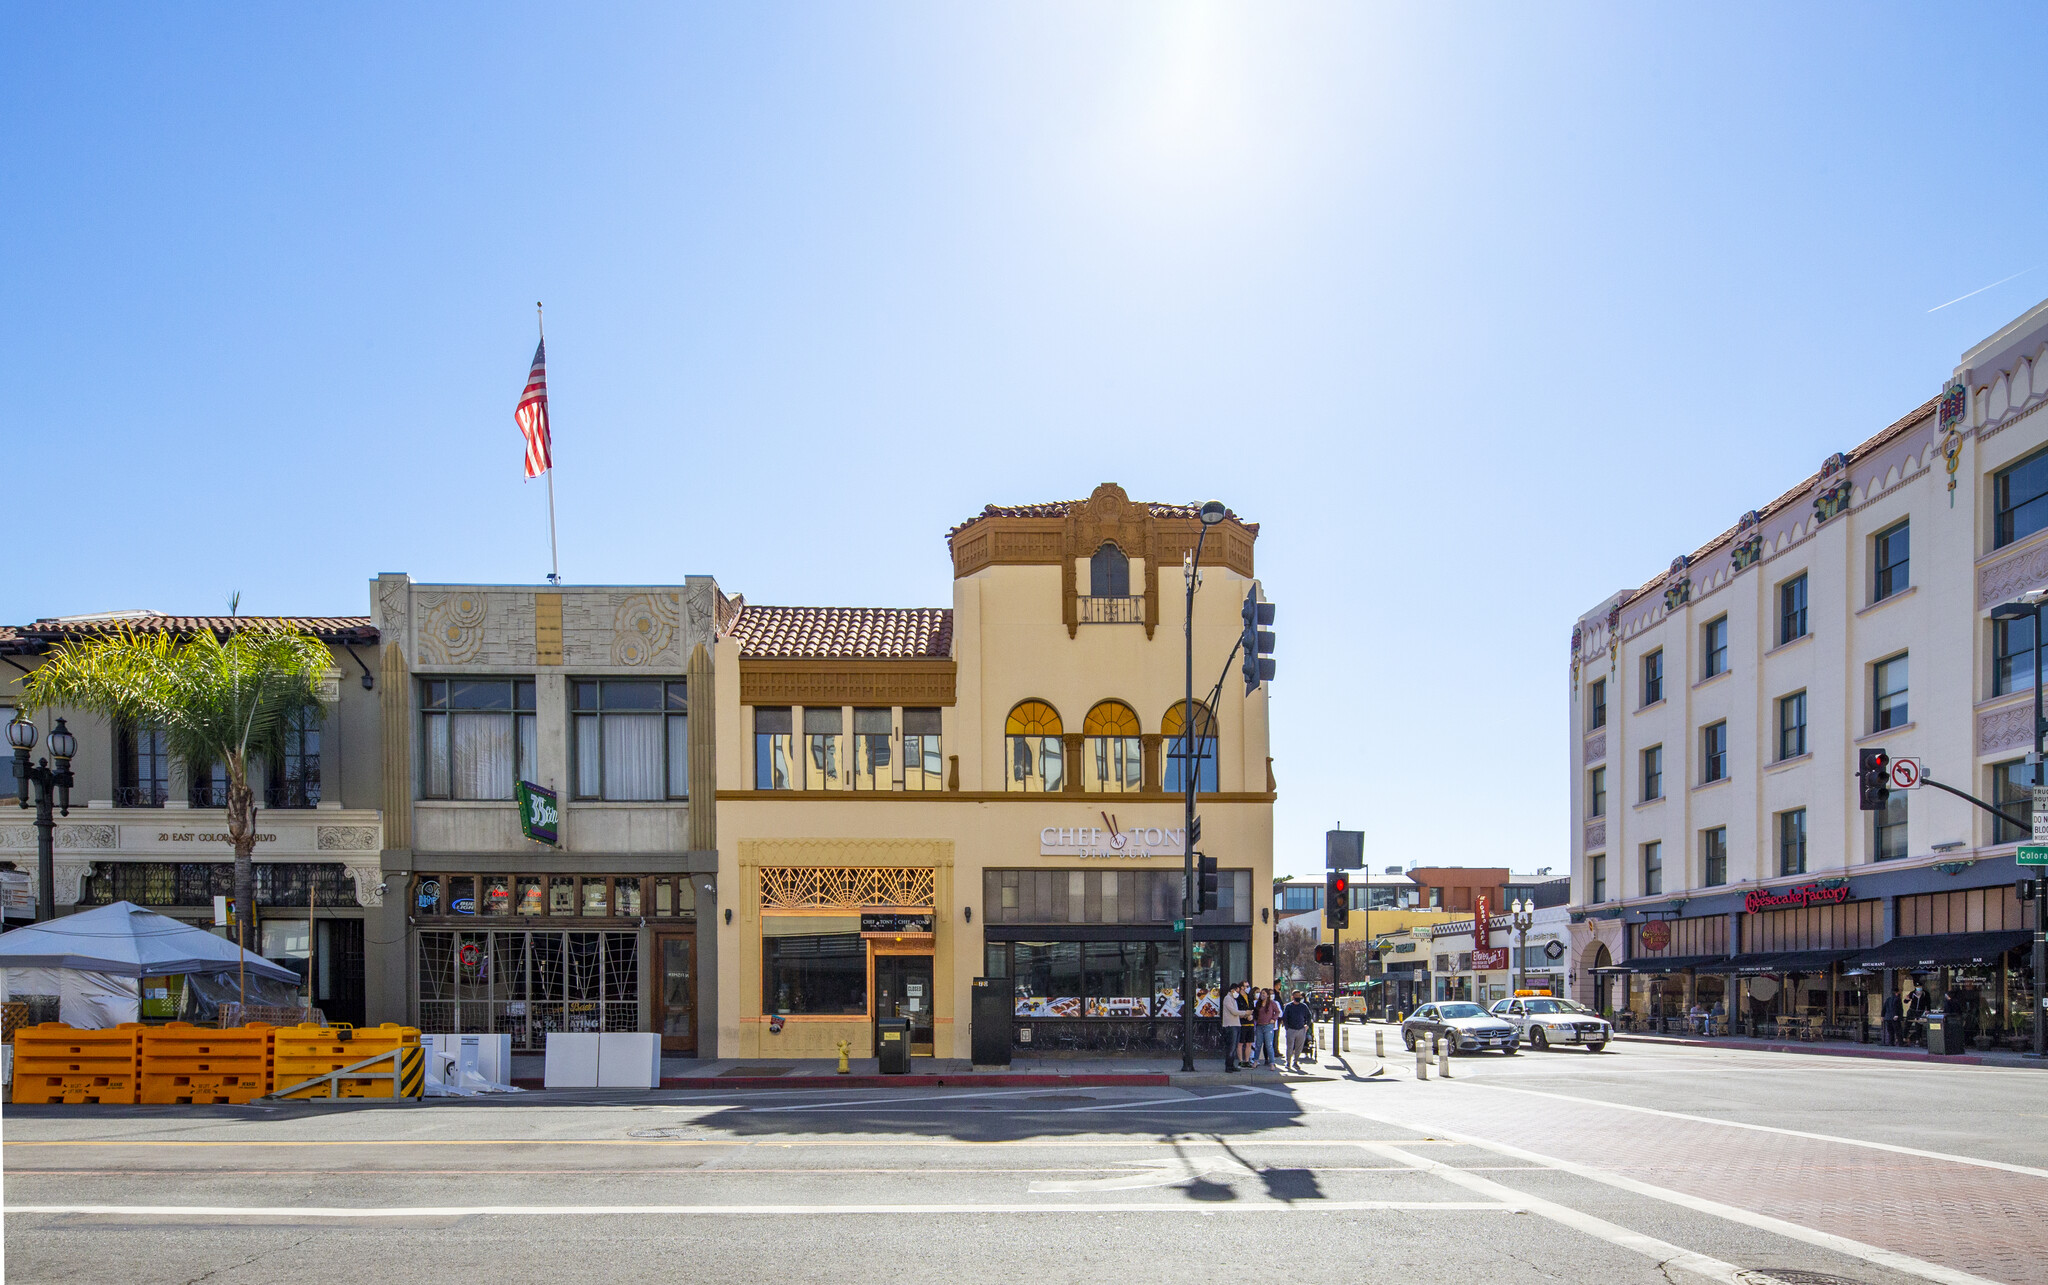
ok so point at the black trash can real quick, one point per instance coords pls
(1937, 1035)
(892, 1045)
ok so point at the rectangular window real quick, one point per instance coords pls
(1892, 550)
(1714, 648)
(1792, 609)
(1713, 752)
(1596, 792)
(476, 737)
(1714, 856)
(1890, 827)
(1792, 842)
(2012, 655)
(774, 759)
(632, 739)
(1888, 693)
(1653, 677)
(145, 768)
(924, 765)
(1653, 869)
(1047, 977)
(813, 964)
(824, 747)
(2021, 499)
(1599, 878)
(1791, 726)
(2012, 790)
(1653, 773)
(295, 777)
(872, 731)
(1596, 704)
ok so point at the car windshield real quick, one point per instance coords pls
(1542, 1006)
(1459, 1010)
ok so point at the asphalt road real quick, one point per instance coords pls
(1653, 1164)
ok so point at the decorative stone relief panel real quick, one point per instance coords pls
(2004, 729)
(369, 881)
(69, 880)
(347, 838)
(644, 629)
(1596, 835)
(17, 838)
(2007, 578)
(451, 627)
(1596, 747)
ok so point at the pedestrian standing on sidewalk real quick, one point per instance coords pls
(1893, 1014)
(1265, 1023)
(1230, 1028)
(1247, 1000)
(1295, 1019)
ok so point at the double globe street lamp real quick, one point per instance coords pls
(52, 796)
(1523, 916)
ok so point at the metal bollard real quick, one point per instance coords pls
(1443, 1059)
(1379, 1045)
(1421, 1061)
(1347, 1039)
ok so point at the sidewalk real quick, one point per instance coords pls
(1024, 1072)
(1837, 1048)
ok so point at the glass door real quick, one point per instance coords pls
(676, 1003)
(903, 988)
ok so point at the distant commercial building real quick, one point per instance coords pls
(1717, 712)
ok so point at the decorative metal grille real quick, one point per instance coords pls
(527, 984)
(845, 887)
(196, 883)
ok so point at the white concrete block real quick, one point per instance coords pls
(572, 1061)
(629, 1061)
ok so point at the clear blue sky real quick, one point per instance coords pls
(1483, 311)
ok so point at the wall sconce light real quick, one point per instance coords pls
(728, 914)
(968, 912)
(1263, 912)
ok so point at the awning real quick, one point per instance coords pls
(1672, 964)
(1798, 961)
(1938, 949)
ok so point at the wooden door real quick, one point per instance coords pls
(675, 992)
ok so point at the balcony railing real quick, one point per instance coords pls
(293, 794)
(1112, 611)
(141, 796)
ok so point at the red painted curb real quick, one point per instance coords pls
(1000, 1080)
(1886, 1055)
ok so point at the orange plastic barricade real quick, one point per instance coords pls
(57, 1063)
(302, 1053)
(182, 1063)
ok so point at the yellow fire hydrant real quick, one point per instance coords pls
(845, 1051)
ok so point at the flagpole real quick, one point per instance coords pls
(554, 554)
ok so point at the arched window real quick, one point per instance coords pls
(1031, 743)
(1115, 758)
(1174, 727)
(1109, 573)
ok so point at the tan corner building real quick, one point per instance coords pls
(909, 799)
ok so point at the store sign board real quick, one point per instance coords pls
(886, 922)
(1809, 894)
(537, 812)
(1110, 840)
(1555, 950)
(1491, 959)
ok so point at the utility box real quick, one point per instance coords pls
(994, 1009)
(892, 1045)
(1937, 1035)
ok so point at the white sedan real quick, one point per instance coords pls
(1550, 1023)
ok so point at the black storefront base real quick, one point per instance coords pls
(1058, 1036)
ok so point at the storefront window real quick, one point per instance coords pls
(497, 895)
(813, 964)
(531, 898)
(527, 984)
(1117, 975)
(562, 895)
(1048, 979)
(594, 900)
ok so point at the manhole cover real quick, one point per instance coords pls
(756, 1070)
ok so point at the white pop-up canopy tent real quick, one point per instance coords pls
(94, 960)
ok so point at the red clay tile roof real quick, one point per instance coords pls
(1060, 509)
(325, 628)
(844, 633)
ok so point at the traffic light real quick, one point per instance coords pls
(1258, 642)
(1206, 880)
(1326, 954)
(2026, 889)
(1337, 904)
(1873, 779)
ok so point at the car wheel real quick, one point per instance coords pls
(1408, 1038)
(1596, 1048)
(1537, 1039)
(1511, 1050)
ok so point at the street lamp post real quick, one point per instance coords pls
(2029, 607)
(1191, 776)
(1524, 917)
(48, 782)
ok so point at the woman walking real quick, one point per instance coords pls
(1266, 1021)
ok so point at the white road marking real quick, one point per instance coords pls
(1699, 1204)
(1153, 1173)
(2027, 1170)
(723, 1211)
(1663, 1252)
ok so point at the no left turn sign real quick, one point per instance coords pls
(1905, 774)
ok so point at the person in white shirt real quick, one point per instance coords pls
(1233, 1021)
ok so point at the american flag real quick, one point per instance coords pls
(533, 414)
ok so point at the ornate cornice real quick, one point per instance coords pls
(847, 682)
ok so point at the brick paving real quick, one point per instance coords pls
(1989, 1222)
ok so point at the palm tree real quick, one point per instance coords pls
(218, 700)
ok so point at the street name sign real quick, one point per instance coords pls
(2032, 854)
